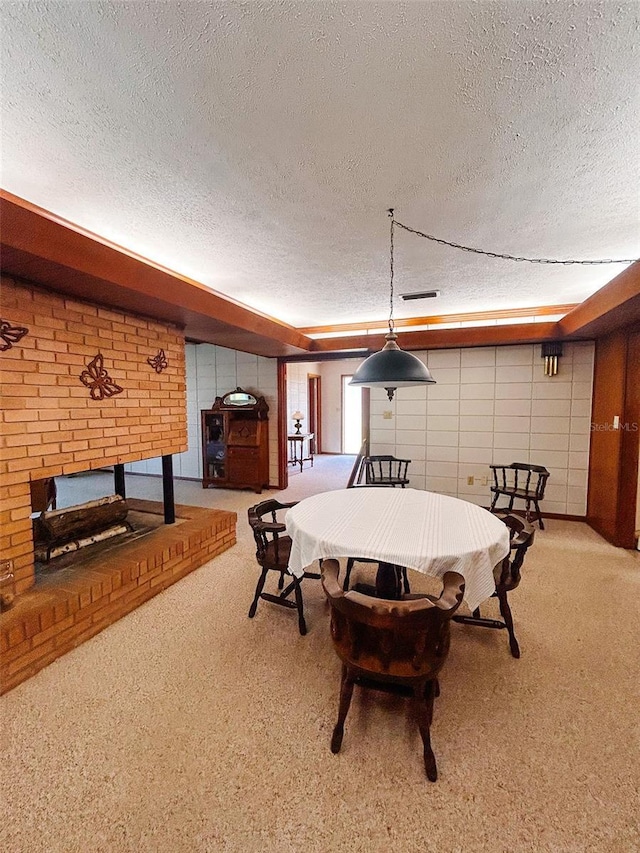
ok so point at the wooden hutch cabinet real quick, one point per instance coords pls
(235, 442)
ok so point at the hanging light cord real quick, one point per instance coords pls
(493, 254)
(391, 323)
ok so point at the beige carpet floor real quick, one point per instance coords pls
(188, 727)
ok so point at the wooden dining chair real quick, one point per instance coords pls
(507, 578)
(273, 548)
(398, 646)
(520, 481)
(386, 471)
(377, 471)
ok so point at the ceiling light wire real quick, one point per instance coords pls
(504, 257)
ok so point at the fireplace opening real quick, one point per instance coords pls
(71, 532)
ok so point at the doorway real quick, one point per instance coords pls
(351, 416)
(314, 397)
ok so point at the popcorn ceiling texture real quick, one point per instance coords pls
(257, 146)
(50, 424)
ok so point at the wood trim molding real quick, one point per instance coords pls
(46, 250)
(283, 447)
(443, 338)
(614, 305)
(438, 319)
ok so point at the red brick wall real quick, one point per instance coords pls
(50, 423)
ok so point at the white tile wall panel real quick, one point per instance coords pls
(511, 440)
(551, 389)
(580, 426)
(513, 407)
(511, 424)
(444, 423)
(513, 391)
(413, 422)
(443, 407)
(443, 392)
(416, 452)
(549, 441)
(550, 424)
(580, 408)
(478, 357)
(442, 469)
(551, 408)
(476, 439)
(476, 407)
(579, 442)
(476, 375)
(415, 393)
(446, 485)
(481, 391)
(475, 455)
(478, 499)
(581, 391)
(516, 355)
(411, 438)
(438, 453)
(443, 358)
(442, 438)
(447, 376)
(411, 407)
(507, 455)
(549, 458)
(578, 459)
(515, 373)
(476, 423)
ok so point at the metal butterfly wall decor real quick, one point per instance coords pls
(159, 362)
(98, 381)
(10, 334)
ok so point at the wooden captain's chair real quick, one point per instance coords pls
(273, 548)
(399, 646)
(507, 578)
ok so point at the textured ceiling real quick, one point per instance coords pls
(255, 147)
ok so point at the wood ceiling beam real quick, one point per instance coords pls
(47, 250)
(479, 336)
(615, 305)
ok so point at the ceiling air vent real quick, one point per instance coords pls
(422, 294)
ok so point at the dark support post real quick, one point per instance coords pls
(167, 489)
(118, 476)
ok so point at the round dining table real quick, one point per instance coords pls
(424, 531)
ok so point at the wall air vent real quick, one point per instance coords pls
(422, 294)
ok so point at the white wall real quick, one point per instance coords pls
(493, 404)
(211, 372)
(332, 373)
(298, 391)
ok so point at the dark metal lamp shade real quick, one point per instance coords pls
(392, 368)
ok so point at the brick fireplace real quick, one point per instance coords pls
(86, 387)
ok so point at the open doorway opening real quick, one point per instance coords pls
(351, 416)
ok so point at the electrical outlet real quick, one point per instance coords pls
(387, 416)
(469, 481)
(485, 481)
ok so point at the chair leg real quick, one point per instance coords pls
(494, 502)
(256, 598)
(298, 594)
(346, 692)
(405, 579)
(476, 613)
(281, 580)
(424, 710)
(540, 521)
(345, 585)
(505, 610)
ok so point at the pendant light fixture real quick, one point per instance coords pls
(391, 368)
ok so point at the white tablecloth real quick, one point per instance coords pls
(426, 531)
